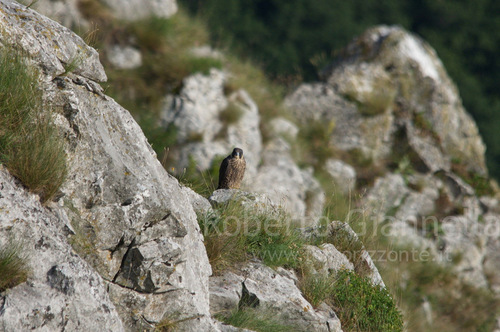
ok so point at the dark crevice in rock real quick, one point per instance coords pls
(248, 299)
(118, 246)
(130, 246)
(127, 202)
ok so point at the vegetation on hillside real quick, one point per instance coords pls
(296, 38)
(165, 45)
(30, 146)
(234, 233)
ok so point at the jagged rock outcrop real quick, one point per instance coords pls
(196, 115)
(389, 82)
(120, 210)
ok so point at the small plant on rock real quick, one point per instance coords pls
(13, 267)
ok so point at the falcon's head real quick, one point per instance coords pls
(237, 153)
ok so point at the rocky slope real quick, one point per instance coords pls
(136, 241)
(122, 241)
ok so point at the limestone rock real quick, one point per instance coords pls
(200, 204)
(343, 174)
(372, 273)
(62, 290)
(124, 57)
(281, 126)
(66, 12)
(225, 293)
(133, 10)
(252, 201)
(385, 79)
(52, 46)
(266, 290)
(122, 212)
(327, 259)
(287, 185)
(196, 115)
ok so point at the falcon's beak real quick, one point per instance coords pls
(238, 155)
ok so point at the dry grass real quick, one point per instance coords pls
(13, 266)
(30, 146)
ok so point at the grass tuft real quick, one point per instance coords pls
(235, 233)
(30, 146)
(13, 267)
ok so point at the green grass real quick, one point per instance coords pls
(30, 146)
(13, 266)
(255, 320)
(234, 233)
(361, 306)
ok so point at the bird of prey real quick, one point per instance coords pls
(232, 170)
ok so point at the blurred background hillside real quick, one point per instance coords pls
(292, 40)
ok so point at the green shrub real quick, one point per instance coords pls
(361, 306)
(30, 146)
(13, 267)
(234, 233)
(255, 320)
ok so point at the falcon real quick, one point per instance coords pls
(232, 170)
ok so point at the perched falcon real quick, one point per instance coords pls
(232, 170)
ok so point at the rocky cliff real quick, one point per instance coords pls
(120, 248)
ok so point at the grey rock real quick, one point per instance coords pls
(373, 273)
(62, 290)
(287, 185)
(133, 10)
(284, 127)
(225, 293)
(388, 192)
(124, 57)
(52, 46)
(66, 12)
(253, 201)
(141, 224)
(128, 219)
(271, 292)
(385, 79)
(327, 259)
(200, 204)
(195, 113)
(228, 328)
(351, 130)
(343, 174)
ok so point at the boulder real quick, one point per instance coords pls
(62, 291)
(385, 80)
(55, 50)
(274, 293)
(132, 10)
(124, 57)
(65, 12)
